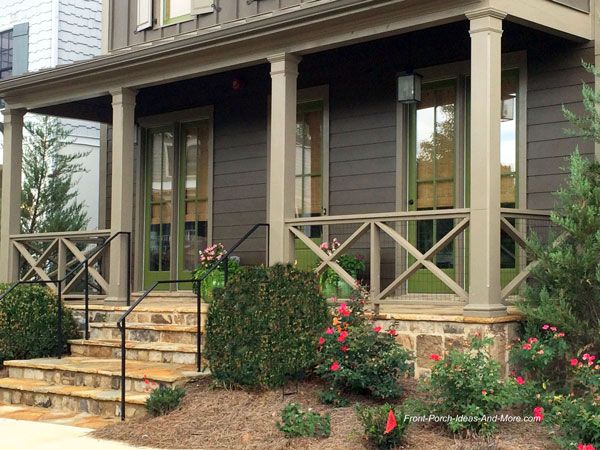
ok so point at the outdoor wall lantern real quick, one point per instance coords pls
(409, 88)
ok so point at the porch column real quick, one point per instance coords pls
(121, 215)
(11, 192)
(484, 245)
(284, 75)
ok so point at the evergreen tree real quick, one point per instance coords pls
(49, 200)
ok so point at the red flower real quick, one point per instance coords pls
(532, 340)
(335, 366)
(585, 447)
(526, 347)
(484, 392)
(342, 337)
(321, 340)
(393, 332)
(377, 329)
(344, 348)
(343, 310)
(329, 330)
(146, 380)
(538, 413)
(574, 362)
(391, 422)
(435, 357)
(520, 380)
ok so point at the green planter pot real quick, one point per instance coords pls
(337, 288)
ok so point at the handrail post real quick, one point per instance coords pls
(87, 299)
(199, 326)
(59, 320)
(123, 368)
(225, 269)
(129, 281)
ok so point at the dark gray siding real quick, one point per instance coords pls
(123, 19)
(555, 77)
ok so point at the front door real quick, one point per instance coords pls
(177, 166)
(432, 164)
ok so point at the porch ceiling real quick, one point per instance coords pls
(324, 25)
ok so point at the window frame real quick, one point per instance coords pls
(166, 21)
(10, 49)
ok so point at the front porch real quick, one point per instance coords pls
(317, 146)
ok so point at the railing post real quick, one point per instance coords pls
(199, 326)
(225, 269)
(123, 368)
(375, 261)
(87, 299)
(62, 260)
(59, 319)
(129, 271)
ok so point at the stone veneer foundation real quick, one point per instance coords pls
(425, 334)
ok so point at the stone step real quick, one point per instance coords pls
(136, 351)
(101, 373)
(143, 332)
(100, 402)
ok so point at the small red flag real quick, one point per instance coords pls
(391, 422)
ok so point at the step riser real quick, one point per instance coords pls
(76, 404)
(141, 317)
(99, 351)
(96, 381)
(140, 335)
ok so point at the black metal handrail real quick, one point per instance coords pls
(197, 283)
(59, 284)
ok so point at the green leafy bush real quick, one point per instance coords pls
(298, 423)
(467, 382)
(263, 326)
(384, 425)
(28, 323)
(333, 397)
(163, 400)
(357, 357)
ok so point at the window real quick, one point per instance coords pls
(174, 11)
(6, 54)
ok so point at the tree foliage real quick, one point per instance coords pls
(49, 199)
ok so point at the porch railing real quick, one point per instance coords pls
(50, 256)
(400, 234)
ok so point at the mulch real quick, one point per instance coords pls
(215, 418)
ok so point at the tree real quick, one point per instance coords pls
(49, 200)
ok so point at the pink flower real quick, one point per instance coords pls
(343, 310)
(321, 340)
(585, 356)
(560, 335)
(344, 348)
(526, 347)
(484, 392)
(335, 366)
(574, 362)
(342, 337)
(532, 340)
(553, 329)
(540, 352)
(377, 329)
(585, 447)
(435, 357)
(520, 380)
(324, 246)
(545, 327)
(538, 413)
(329, 331)
(392, 332)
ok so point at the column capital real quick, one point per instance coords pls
(284, 63)
(12, 114)
(486, 12)
(123, 95)
(486, 20)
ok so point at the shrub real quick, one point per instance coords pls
(384, 425)
(216, 279)
(357, 357)
(333, 397)
(467, 382)
(163, 400)
(28, 323)
(298, 423)
(263, 326)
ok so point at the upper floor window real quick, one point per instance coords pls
(176, 11)
(6, 54)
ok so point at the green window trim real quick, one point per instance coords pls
(167, 20)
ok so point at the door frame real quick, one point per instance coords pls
(174, 119)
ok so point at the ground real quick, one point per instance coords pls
(214, 418)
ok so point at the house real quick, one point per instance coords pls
(37, 35)
(427, 136)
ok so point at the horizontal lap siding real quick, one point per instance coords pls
(555, 77)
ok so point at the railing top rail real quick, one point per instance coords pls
(400, 215)
(50, 236)
(525, 213)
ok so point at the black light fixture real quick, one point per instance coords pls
(409, 88)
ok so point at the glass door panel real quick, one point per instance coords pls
(432, 178)
(194, 198)
(159, 205)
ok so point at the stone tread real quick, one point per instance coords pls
(158, 372)
(59, 417)
(43, 387)
(167, 309)
(148, 326)
(136, 345)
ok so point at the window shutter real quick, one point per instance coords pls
(144, 14)
(202, 6)
(20, 64)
